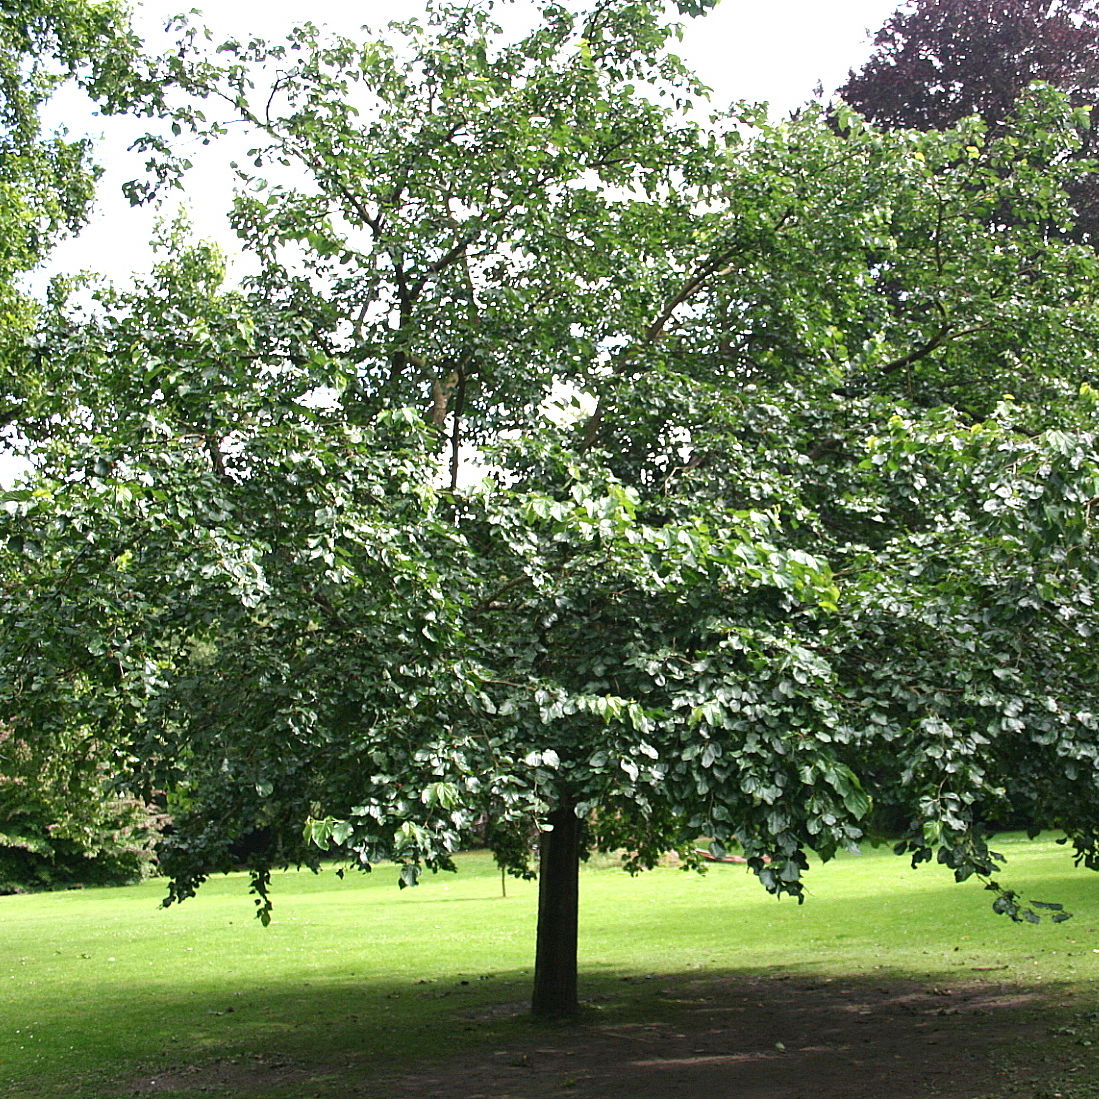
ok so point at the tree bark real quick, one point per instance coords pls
(558, 905)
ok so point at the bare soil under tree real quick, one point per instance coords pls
(779, 1037)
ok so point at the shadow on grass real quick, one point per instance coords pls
(792, 1035)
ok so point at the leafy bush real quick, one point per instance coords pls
(62, 825)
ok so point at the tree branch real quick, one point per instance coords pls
(943, 336)
(456, 429)
(486, 603)
(654, 332)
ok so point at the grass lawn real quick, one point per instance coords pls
(100, 987)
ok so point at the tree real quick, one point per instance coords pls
(742, 559)
(47, 180)
(937, 61)
(58, 821)
(61, 825)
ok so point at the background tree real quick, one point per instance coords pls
(785, 348)
(58, 821)
(937, 61)
(47, 179)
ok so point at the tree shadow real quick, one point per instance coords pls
(793, 1035)
(807, 1036)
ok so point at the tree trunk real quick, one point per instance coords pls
(558, 904)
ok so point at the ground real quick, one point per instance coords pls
(779, 1037)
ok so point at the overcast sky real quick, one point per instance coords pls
(775, 52)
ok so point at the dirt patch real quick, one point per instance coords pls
(738, 1037)
(779, 1038)
(242, 1076)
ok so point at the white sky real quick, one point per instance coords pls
(775, 52)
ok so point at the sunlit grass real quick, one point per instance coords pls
(103, 984)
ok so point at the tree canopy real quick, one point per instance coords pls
(570, 467)
(47, 179)
(57, 823)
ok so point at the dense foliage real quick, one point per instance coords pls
(61, 824)
(59, 820)
(565, 460)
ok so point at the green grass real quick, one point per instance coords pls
(101, 984)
